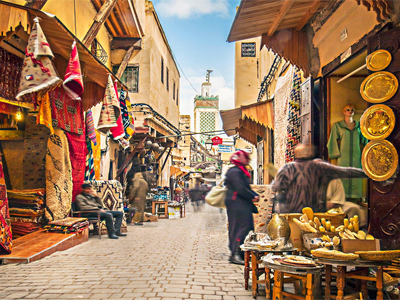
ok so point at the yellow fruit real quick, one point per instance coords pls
(333, 229)
(317, 222)
(350, 227)
(323, 222)
(309, 212)
(328, 225)
(322, 228)
(346, 223)
(369, 237)
(356, 226)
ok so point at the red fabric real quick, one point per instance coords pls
(66, 113)
(118, 131)
(236, 159)
(77, 154)
(73, 82)
(5, 228)
(8, 109)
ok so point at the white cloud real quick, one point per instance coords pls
(184, 9)
(219, 87)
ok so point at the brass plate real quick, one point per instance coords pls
(379, 87)
(378, 60)
(377, 122)
(379, 160)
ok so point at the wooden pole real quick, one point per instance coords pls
(130, 156)
(165, 161)
(124, 62)
(99, 20)
(37, 4)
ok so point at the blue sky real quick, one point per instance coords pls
(197, 31)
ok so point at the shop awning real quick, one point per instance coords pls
(261, 113)
(95, 73)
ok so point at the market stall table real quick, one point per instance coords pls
(160, 209)
(255, 255)
(308, 275)
(361, 272)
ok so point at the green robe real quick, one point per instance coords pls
(344, 144)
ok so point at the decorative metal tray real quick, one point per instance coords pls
(378, 60)
(379, 160)
(377, 122)
(379, 87)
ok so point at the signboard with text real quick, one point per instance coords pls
(224, 149)
(216, 140)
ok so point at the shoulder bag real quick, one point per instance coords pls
(216, 196)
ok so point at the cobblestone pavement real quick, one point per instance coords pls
(172, 259)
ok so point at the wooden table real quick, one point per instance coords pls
(255, 255)
(156, 205)
(360, 273)
(310, 276)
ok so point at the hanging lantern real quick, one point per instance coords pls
(155, 147)
(148, 144)
(161, 150)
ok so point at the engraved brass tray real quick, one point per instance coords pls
(378, 60)
(377, 122)
(379, 160)
(379, 87)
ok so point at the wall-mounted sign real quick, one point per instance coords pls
(216, 140)
(224, 149)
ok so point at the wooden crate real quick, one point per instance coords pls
(351, 246)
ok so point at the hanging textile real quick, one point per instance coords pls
(89, 168)
(10, 70)
(77, 154)
(294, 121)
(58, 177)
(38, 72)
(66, 113)
(5, 223)
(44, 114)
(73, 82)
(90, 131)
(282, 96)
(127, 120)
(118, 132)
(105, 157)
(110, 110)
(97, 157)
(8, 109)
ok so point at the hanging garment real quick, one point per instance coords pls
(105, 157)
(97, 157)
(89, 168)
(110, 110)
(5, 223)
(66, 113)
(345, 145)
(38, 72)
(90, 131)
(77, 152)
(73, 82)
(44, 113)
(58, 177)
(118, 132)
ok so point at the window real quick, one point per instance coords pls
(130, 77)
(162, 70)
(167, 79)
(248, 49)
(177, 96)
(173, 91)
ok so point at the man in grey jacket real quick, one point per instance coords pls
(88, 200)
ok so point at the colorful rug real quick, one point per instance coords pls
(294, 120)
(10, 70)
(97, 157)
(77, 154)
(282, 97)
(89, 168)
(110, 110)
(110, 193)
(118, 132)
(90, 130)
(58, 177)
(5, 223)
(34, 155)
(38, 72)
(66, 113)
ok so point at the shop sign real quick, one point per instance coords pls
(345, 55)
(224, 149)
(216, 140)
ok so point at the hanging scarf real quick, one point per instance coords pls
(236, 159)
(44, 113)
(89, 168)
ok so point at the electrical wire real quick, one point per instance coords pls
(173, 55)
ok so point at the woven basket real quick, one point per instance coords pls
(379, 255)
(337, 255)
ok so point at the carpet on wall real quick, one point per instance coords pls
(5, 223)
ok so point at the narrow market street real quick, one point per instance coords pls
(173, 259)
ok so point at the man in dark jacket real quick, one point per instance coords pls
(88, 200)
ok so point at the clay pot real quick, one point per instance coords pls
(278, 227)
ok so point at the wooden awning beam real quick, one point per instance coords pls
(126, 43)
(313, 9)
(282, 12)
(124, 62)
(99, 20)
(36, 4)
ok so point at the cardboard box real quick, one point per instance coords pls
(351, 246)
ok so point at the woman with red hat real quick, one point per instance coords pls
(239, 204)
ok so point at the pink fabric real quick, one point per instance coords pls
(118, 132)
(77, 154)
(237, 160)
(73, 82)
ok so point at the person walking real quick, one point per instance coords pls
(239, 204)
(137, 197)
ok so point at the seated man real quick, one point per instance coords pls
(88, 200)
